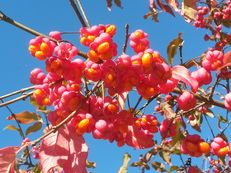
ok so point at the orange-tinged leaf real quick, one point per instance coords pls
(165, 8)
(173, 3)
(173, 46)
(25, 117)
(109, 4)
(118, 3)
(7, 159)
(189, 9)
(34, 128)
(12, 127)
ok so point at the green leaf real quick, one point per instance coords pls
(222, 119)
(159, 167)
(34, 128)
(90, 164)
(173, 168)
(124, 167)
(25, 117)
(165, 156)
(173, 46)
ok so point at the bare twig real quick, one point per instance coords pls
(83, 13)
(22, 97)
(21, 91)
(75, 8)
(126, 38)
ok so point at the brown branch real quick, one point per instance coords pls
(83, 13)
(126, 38)
(204, 99)
(22, 97)
(75, 8)
(21, 91)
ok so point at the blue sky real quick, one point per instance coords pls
(45, 16)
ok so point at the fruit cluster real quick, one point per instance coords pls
(69, 80)
(194, 146)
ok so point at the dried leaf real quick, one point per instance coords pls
(173, 3)
(7, 159)
(152, 13)
(165, 8)
(173, 46)
(118, 3)
(34, 128)
(165, 156)
(167, 110)
(12, 127)
(124, 167)
(25, 117)
(173, 168)
(109, 4)
(189, 9)
(90, 164)
(159, 167)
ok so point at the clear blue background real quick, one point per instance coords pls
(45, 16)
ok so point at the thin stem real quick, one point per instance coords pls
(7, 19)
(126, 38)
(181, 54)
(210, 128)
(128, 100)
(183, 163)
(213, 88)
(83, 13)
(20, 131)
(22, 97)
(139, 100)
(75, 8)
(21, 91)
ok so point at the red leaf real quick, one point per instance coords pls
(121, 99)
(63, 149)
(181, 73)
(137, 138)
(165, 7)
(7, 159)
(227, 60)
